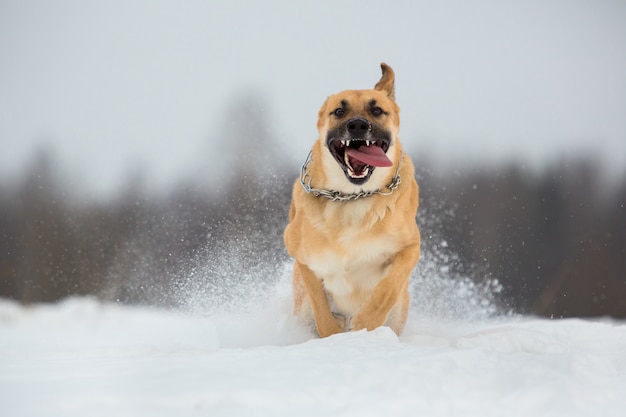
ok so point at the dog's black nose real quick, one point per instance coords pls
(358, 127)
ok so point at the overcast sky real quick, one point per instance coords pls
(116, 86)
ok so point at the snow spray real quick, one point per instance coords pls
(252, 270)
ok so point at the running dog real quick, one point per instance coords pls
(352, 229)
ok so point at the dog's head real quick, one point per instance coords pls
(358, 136)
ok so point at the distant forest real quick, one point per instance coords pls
(555, 239)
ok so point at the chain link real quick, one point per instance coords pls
(333, 195)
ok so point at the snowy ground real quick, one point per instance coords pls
(84, 358)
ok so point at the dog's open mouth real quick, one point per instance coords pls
(358, 157)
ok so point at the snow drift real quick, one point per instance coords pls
(82, 357)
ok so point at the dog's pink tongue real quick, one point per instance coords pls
(370, 155)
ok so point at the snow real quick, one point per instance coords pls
(84, 357)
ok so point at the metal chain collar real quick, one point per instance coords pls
(332, 195)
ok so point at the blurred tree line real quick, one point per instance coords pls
(555, 239)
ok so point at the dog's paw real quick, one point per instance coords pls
(332, 325)
(353, 324)
(340, 321)
(358, 323)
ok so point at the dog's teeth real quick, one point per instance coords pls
(367, 142)
(348, 143)
(343, 142)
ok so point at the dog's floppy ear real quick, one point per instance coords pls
(386, 82)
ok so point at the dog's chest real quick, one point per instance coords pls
(350, 248)
(353, 263)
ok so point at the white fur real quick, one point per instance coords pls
(356, 269)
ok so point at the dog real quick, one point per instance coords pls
(352, 227)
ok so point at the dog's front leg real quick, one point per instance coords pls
(326, 322)
(388, 292)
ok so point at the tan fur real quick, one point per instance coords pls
(353, 259)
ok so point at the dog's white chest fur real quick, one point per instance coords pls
(351, 268)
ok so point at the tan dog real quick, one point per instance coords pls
(352, 229)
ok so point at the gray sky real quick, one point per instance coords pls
(116, 86)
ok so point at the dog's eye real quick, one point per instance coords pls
(376, 111)
(340, 112)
